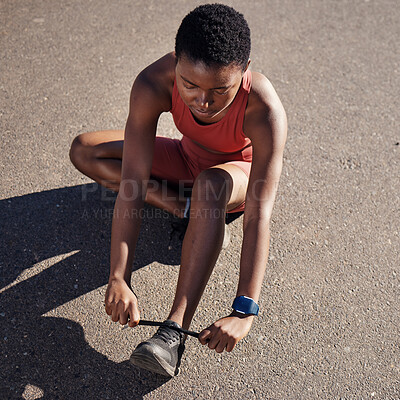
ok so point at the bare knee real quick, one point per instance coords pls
(80, 152)
(212, 188)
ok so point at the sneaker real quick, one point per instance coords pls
(162, 353)
(227, 237)
(179, 227)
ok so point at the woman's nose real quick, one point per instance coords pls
(204, 100)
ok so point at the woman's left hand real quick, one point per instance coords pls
(225, 333)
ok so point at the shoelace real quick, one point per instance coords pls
(168, 334)
(174, 328)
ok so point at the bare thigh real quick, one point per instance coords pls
(104, 144)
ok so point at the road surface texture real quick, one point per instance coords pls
(330, 321)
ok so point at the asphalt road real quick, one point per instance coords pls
(329, 324)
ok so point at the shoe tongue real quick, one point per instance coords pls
(167, 331)
(169, 322)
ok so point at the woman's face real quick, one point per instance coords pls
(207, 91)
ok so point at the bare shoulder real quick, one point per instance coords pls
(154, 84)
(265, 116)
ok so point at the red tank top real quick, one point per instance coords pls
(226, 135)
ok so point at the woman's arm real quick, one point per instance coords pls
(266, 126)
(267, 131)
(148, 100)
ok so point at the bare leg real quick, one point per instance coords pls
(98, 155)
(204, 236)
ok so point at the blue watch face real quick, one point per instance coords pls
(245, 305)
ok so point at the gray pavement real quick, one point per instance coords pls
(329, 326)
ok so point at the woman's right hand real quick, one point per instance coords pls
(121, 303)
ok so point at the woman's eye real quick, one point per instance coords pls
(188, 87)
(223, 93)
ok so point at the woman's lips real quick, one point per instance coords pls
(204, 113)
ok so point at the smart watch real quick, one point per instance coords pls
(245, 305)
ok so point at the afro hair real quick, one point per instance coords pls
(214, 34)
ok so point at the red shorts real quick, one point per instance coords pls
(179, 162)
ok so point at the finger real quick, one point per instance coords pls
(108, 309)
(134, 316)
(133, 322)
(231, 345)
(123, 315)
(221, 345)
(123, 318)
(205, 336)
(107, 305)
(114, 313)
(213, 343)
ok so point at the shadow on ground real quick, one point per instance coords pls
(51, 353)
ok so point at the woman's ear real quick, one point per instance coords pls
(247, 66)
